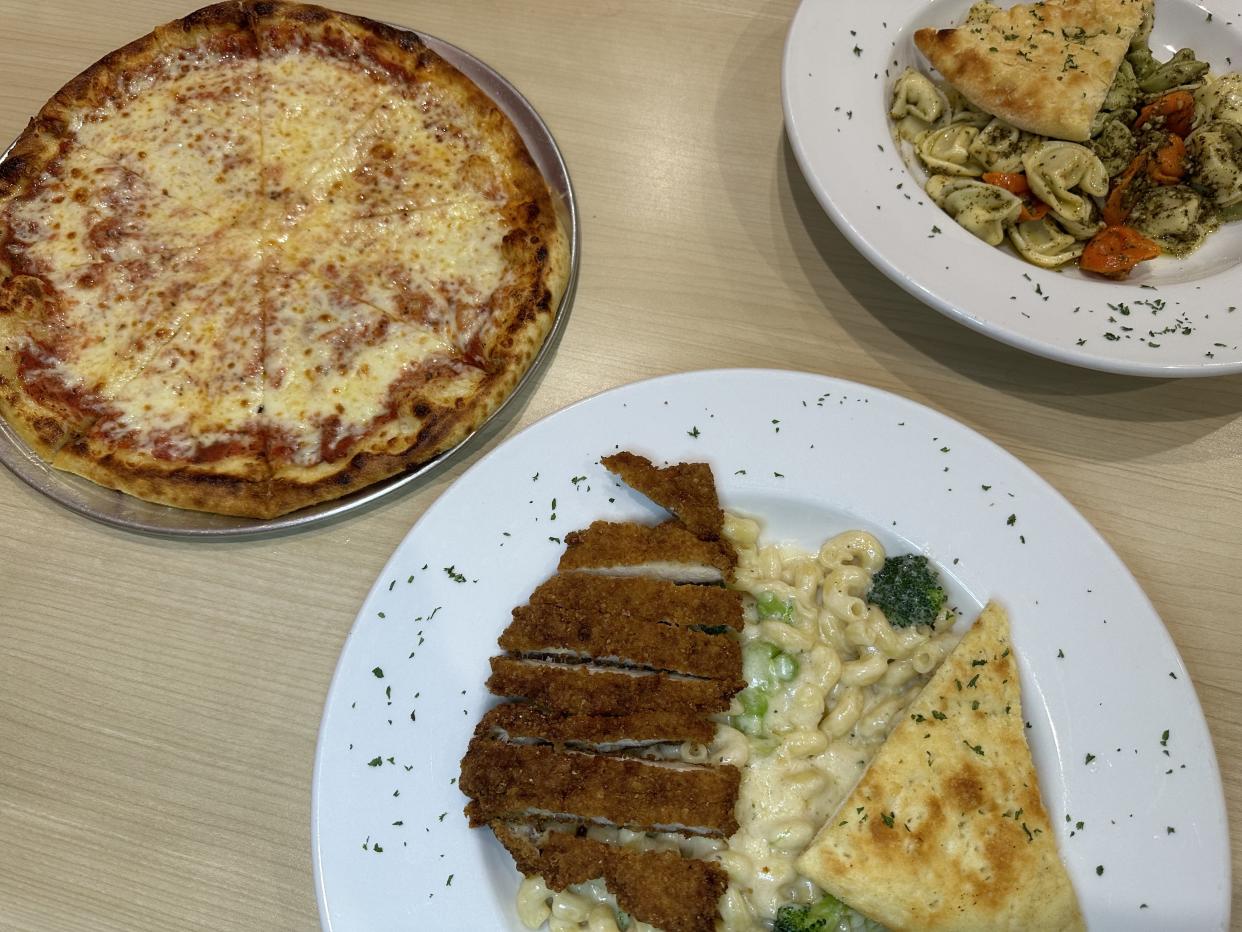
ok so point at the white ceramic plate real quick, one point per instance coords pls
(812, 456)
(1171, 318)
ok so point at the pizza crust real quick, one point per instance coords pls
(1043, 67)
(460, 342)
(41, 423)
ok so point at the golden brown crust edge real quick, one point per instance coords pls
(226, 25)
(442, 428)
(199, 489)
(106, 78)
(30, 155)
(191, 488)
(346, 32)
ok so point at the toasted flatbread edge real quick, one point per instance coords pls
(880, 852)
(1009, 69)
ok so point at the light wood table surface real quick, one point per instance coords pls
(159, 700)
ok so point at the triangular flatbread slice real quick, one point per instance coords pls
(946, 829)
(1043, 67)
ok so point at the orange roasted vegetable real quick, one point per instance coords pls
(1115, 251)
(1167, 164)
(1120, 198)
(1015, 183)
(1175, 110)
(1033, 209)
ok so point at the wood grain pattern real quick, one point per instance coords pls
(159, 701)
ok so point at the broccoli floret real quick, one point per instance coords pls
(908, 589)
(821, 916)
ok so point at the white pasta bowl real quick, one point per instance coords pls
(1172, 317)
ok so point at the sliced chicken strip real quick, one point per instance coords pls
(657, 887)
(513, 781)
(664, 551)
(708, 607)
(583, 690)
(521, 720)
(619, 640)
(688, 490)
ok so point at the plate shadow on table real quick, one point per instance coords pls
(1203, 405)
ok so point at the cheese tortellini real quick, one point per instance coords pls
(962, 110)
(1061, 174)
(1175, 216)
(1182, 69)
(1082, 230)
(1115, 146)
(947, 150)
(1043, 243)
(1220, 99)
(917, 104)
(1215, 151)
(1047, 198)
(983, 209)
(999, 147)
(1124, 92)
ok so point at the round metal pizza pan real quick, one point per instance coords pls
(124, 511)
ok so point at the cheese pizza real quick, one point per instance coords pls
(265, 256)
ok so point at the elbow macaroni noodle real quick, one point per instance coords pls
(856, 675)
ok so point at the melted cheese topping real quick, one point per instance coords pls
(436, 266)
(311, 106)
(413, 152)
(201, 395)
(112, 318)
(87, 209)
(256, 254)
(193, 134)
(330, 365)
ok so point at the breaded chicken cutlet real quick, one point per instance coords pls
(581, 689)
(688, 490)
(602, 733)
(665, 551)
(639, 598)
(671, 892)
(512, 781)
(615, 663)
(551, 632)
